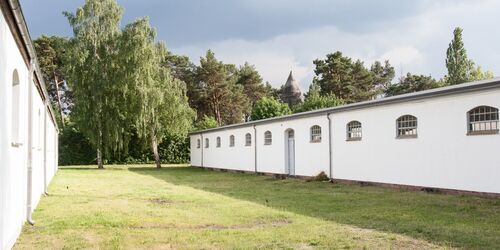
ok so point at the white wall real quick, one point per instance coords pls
(442, 156)
(13, 170)
(310, 158)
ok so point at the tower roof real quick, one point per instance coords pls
(292, 85)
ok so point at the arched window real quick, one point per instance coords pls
(483, 120)
(248, 139)
(206, 142)
(354, 131)
(16, 92)
(315, 133)
(198, 143)
(231, 141)
(407, 126)
(217, 142)
(268, 138)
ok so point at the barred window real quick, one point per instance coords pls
(315, 133)
(268, 138)
(231, 141)
(217, 141)
(206, 142)
(248, 139)
(354, 131)
(198, 143)
(483, 120)
(407, 126)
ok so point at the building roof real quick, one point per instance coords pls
(432, 93)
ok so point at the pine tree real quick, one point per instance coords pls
(249, 78)
(412, 83)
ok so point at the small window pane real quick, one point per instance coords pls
(206, 143)
(198, 143)
(354, 130)
(483, 120)
(268, 138)
(315, 133)
(248, 139)
(218, 142)
(407, 126)
(231, 141)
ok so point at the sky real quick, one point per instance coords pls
(277, 36)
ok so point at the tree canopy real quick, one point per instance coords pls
(269, 107)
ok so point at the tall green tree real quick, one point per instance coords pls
(412, 83)
(249, 78)
(100, 105)
(268, 108)
(158, 101)
(50, 52)
(457, 62)
(347, 79)
(383, 74)
(220, 96)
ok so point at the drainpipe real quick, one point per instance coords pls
(45, 191)
(202, 145)
(255, 147)
(30, 147)
(329, 145)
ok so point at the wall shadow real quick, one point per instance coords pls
(451, 220)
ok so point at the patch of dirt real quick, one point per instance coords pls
(160, 201)
(276, 223)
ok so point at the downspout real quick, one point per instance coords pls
(30, 149)
(255, 146)
(329, 145)
(45, 191)
(202, 145)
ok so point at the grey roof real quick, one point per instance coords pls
(444, 91)
(292, 85)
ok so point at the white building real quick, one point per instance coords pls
(28, 133)
(444, 138)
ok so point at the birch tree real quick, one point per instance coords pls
(158, 101)
(100, 104)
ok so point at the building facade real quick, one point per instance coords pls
(445, 138)
(28, 132)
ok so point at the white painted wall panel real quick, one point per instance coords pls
(13, 170)
(442, 156)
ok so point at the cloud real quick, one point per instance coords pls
(415, 44)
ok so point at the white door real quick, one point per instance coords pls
(291, 153)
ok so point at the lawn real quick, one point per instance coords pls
(140, 207)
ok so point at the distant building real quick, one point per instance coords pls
(291, 94)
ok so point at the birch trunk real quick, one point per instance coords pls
(154, 147)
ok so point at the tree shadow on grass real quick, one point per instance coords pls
(459, 221)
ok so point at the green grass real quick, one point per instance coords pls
(139, 207)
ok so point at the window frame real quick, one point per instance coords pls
(315, 137)
(218, 142)
(493, 111)
(198, 143)
(231, 141)
(207, 143)
(248, 140)
(399, 128)
(16, 110)
(268, 138)
(350, 133)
